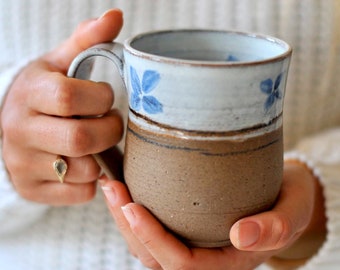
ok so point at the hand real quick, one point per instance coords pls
(37, 123)
(255, 238)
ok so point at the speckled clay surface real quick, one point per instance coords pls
(199, 188)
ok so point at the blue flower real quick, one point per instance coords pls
(271, 89)
(232, 58)
(139, 96)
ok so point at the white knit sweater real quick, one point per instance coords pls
(34, 236)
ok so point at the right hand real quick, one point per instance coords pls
(37, 123)
(297, 215)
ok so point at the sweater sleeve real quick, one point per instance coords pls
(15, 212)
(323, 154)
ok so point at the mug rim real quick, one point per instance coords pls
(287, 49)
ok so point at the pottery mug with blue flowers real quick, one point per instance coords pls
(204, 143)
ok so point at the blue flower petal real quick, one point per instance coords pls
(267, 86)
(152, 105)
(232, 58)
(277, 94)
(278, 81)
(269, 102)
(135, 83)
(135, 101)
(150, 80)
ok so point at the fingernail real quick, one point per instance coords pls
(108, 11)
(110, 194)
(129, 214)
(248, 234)
(104, 14)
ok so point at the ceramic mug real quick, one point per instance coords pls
(204, 137)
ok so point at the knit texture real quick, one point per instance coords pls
(85, 237)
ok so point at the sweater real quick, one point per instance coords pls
(35, 236)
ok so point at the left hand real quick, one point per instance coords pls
(37, 123)
(255, 239)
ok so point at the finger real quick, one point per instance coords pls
(40, 165)
(79, 170)
(117, 196)
(75, 137)
(57, 194)
(278, 228)
(160, 243)
(170, 253)
(54, 94)
(27, 172)
(87, 34)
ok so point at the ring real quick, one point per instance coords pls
(60, 168)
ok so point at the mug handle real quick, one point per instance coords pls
(110, 160)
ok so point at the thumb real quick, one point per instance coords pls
(87, 34)
(281, 226)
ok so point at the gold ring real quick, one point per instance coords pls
(60, 168)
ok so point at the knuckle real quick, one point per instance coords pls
(11, 127)
(89, 193)
(118, 123)
(81, 25)
(85, 194)
(79, 29)
(149, 262)
(12, 163)
(78, 139)
(25, 193)
(107, 93)
(283, 230)
(91, 170)
(64, 96)
(7, 125)
(16, 165)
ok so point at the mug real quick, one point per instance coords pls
(204, 143)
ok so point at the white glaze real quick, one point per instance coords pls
(212, 94)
